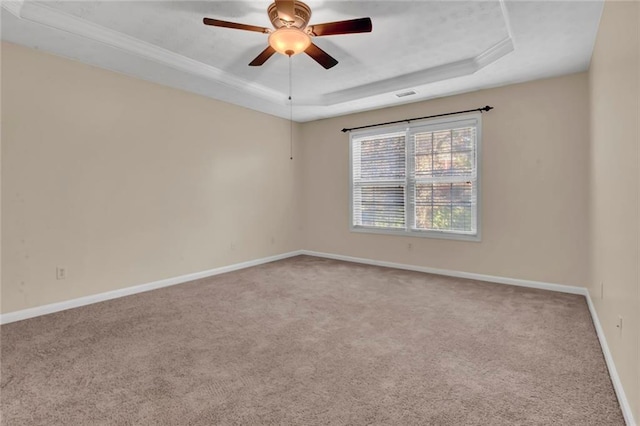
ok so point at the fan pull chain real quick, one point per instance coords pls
(290, 114)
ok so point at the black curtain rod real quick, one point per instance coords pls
(409, 120)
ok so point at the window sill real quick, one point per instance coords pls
(420, 234)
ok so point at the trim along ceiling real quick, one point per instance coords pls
(431, 48)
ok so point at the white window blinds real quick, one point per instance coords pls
(419, 180)
(379, 181)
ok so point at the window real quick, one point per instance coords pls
(420, 179)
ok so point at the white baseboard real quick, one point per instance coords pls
(114, 294)
(615, 379)
(74, 303)
(470, 275)
(101, 297)
(613, 372)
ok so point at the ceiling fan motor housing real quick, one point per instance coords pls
(302, 18)
(290, 18)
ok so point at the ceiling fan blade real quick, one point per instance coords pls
(262, 57)
(227, 24)
(320, 56)
(361, 25)
(286, 10)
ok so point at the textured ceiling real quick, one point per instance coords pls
(434, 48)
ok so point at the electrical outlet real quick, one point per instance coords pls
(619, 324)
(61, 273)
(409, 246)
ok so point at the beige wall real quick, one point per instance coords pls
(125, 182)
(534, 185)
(615, 116)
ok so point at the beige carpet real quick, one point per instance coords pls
(312, 341)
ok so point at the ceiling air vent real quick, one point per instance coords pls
(407, 93)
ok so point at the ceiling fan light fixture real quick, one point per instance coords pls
(292, 33)
(289, 41)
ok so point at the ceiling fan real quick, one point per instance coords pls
(292, 34)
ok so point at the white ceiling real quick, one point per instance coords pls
(434, 48)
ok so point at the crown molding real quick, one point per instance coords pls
(430, 75)
(435, 74)
(48, 16)
(495, 52)
(13, 6)
(45, 15)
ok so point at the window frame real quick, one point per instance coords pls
(409, 184)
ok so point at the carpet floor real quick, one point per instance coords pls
(312, 341)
